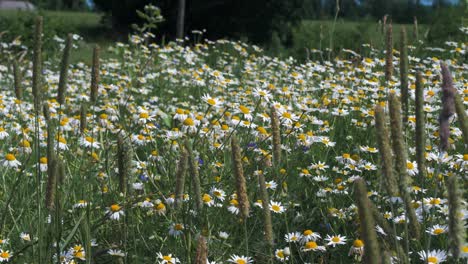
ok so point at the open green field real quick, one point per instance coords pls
(219, 153)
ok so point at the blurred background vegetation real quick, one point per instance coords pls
(285, 28)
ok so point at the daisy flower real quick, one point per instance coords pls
(78, 252)
(11, 161)
(433, 256)
(309, 235)
(312, 246)
(335, 240)
(116, 252)
(167, 259)
(89, 142)
(357, 249)
(25, 236)
(437, 230)
(176, 229)
(218, 193)
(5, 255)
(211, 101)
(276, 207)
(240, 259)
(206, 198)
(3, 133)
(293, 237)
(115, 212)
(282, 254)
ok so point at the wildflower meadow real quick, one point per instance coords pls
(214, 152)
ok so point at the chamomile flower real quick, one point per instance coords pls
(276, 207)
(167, 259)
(25, 237)
(176, 229)
(437, 230)
(312, 246)
(240, 259)
(10, 161)
(293, 237)
(335, 240)
(309, 235)
(5, 255)
(282, 254)
(433, 256)
(115, 211)
(211, 101)
(90, 142)
(116, 253)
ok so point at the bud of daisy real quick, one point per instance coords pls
(404, 75)
(456, 232)
(385, 151)
(415, 29)
(420, 127)
(202, 251)
(448, 107)
(193, 165)
(180, 177)
(371, 253)
(275, 126)
(51, 183)
(17, 80)
(462, 117)
(95, 74)
(241, 187)
(266, 210)
(399, 149)
(83, 113)
(389, 52)
(124, 159)
(37, 63)
(64, 70)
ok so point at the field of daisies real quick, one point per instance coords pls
(214, 152)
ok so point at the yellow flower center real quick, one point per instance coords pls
(311, 245)
(178, 227)
(160, 206)
(211, 101)
(308, 232)
(206, 198)
(43, 160)
(144, 115)
(90, 139)
(241, 261)
(115, 208)
(275, 208)
(358, 243)
(438, 231)
(189, 122)
(167, 258)
(335, 239)
(409, 165)
(10, 157)
(244, 109)
(432, 259)
(5, 255)
(280, 254)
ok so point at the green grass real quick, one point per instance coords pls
(86, 24)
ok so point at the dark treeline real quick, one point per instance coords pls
(258, 20)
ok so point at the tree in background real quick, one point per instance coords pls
(254, 19)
